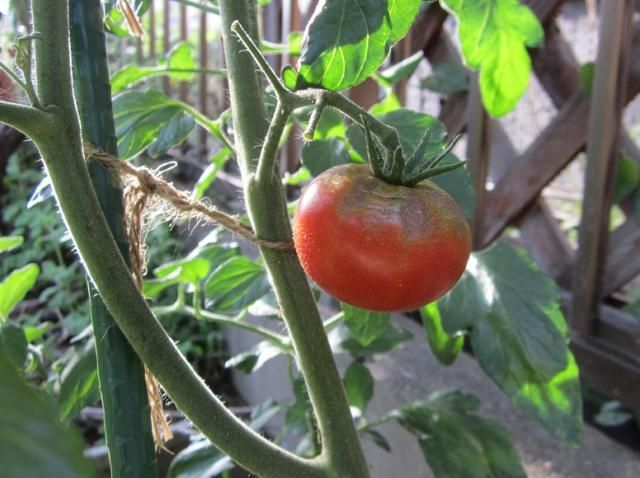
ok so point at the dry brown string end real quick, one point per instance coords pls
(133, 22)
(135, 199)
(151, 185)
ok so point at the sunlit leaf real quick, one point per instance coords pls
(518, 335)
(347, 40)
(494, 35)
(15, 287)
(456, 442)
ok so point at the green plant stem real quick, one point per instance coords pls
(59, 141)
(12, 74)
(26, 119)
(121, 374)
(280, 341)
(341, 449)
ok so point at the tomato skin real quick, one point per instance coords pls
(379, 246)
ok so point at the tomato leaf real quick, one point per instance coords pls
(365, 325)
(8, 243)
(444, 347)
(391, 338)
(201, 458)
(15, 287)
(253, 359)
(494, 35)
(33, 442)
(14, 343)
(447, 79)
(347, 40)
(457, 442)
(358, 385)
(210, 173)
(400, 71)
(519, 336)
(320, 155)
(236, 284)
(79, 384)
(179, 58)
(149, 119)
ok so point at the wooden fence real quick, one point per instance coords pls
(605, 340)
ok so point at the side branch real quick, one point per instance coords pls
(29, 120)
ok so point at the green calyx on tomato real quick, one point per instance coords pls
(380, 246)
(390, 165)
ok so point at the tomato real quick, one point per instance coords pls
(379, 246)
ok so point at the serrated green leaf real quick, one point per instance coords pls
(331, 125)
(391, 338)
(444, 347)
(519, 336)
(173, 132)
(15, 287)
(400, 71)
(320, 155)
(199, 459)
(365, 326)
(8, 243)
(236, 284)
(388, 104)
(494, 35)
(377, 438)
(216, 163)
(149, 119)
(202, 459)
(457, 442)
(14, 343)
(33, 442)
(358, 385)
(447, 78)
(182, 57)
(179, 65)
(627, 177)
(347, 40)
(79, 384)
(254, 359)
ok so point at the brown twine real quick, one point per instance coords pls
(137, 196)
(148, 184)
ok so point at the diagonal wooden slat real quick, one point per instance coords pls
(623, 257)
(552, 150)
(607, 104)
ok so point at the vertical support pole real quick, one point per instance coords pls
(184, 86)
(166, 42)
(478, 153)
(202, 80)
(607, 100)
(152, 31)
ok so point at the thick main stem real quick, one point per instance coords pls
(266, 204)
(59, 142)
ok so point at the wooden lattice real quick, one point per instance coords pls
(605, 340)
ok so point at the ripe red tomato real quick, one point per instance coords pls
(378, 246)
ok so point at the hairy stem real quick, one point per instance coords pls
(267, 207)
